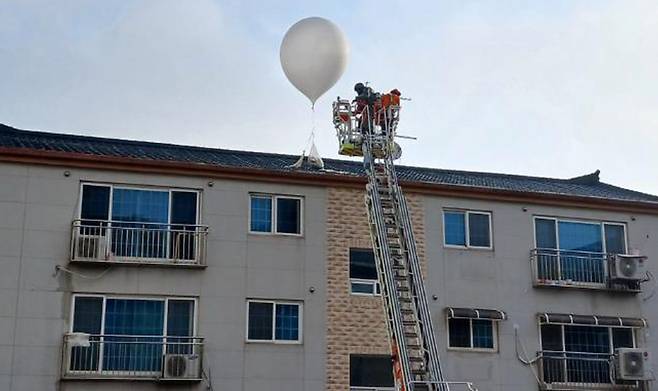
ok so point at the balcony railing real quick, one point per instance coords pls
(115, 241)
(579, 371)
(581, 269)
(131, 357)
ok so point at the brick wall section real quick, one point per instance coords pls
(355, 324)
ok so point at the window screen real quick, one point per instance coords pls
(615, 239)
(261, 214)
(459, 333)
(95, 202)
(260, 321)
(545, 233)
(371, 371)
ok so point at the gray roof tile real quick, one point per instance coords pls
(583, 186)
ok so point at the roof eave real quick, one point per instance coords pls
(118, 163)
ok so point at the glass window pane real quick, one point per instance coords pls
(88, 315)
(95, 202)
(587, 339)
(362, 264)
(134, 317)
(478, 230)
(287, 322)
(459, 331)
(180, 318)
(483, 336)
(622, 338)
(363, 287)
(454, 225)
(551, 337)
(580, 236)
(260, 321)
(261, 214)
(545, 233)
(183, 207)
(371, 371)
(144, 206)
(288, 215)
(615, 240)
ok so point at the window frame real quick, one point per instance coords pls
(112, 186)
(164, 299)
(494, 333)
(610, 337)
(376, 285)
(557, 220)
(467, 233)
(273, 217)
(300, 322)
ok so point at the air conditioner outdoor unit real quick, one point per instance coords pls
(628, 267)
(91, 246)
(633, 364)
(181, 366)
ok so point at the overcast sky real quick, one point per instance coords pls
(546, 88)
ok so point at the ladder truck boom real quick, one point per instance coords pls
(369, 131)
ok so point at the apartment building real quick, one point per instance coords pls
(145, 266)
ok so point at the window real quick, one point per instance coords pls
(363, 272)
(130, 335)
(474, 334)
(577, 353)
(142, 223)
(576, 250)
(270, 321)
(275, 214)
(467, 229)
(371, 372)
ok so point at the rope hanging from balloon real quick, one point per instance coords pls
(314, 54)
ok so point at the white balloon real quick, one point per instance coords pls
(314, 54)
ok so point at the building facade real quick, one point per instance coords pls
(150, 266)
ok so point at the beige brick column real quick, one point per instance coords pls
(355, 324)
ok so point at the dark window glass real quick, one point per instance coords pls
(371, 371)
(587, 339)
(478, 230)
(545, 233)
(622, 338)
(483, 336)
(454, 224)
(180, 318)
(551, 337)
(459, 331)
(362, 264)
(88, 315)
(183, 207)
(288, 215)
(95, 202)
(134, 317)
(615, 240)
(260, 321)
(261, 214)
(287, 322)
(87, 318)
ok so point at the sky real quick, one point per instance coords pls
(543, 88)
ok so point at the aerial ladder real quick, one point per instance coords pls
(369, 130)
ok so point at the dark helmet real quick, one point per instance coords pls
(359, 87)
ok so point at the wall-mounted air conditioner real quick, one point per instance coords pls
(632, 364)
(628, 267)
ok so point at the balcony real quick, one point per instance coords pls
(132, 357)
(96, 241)
(567, 371)
(577, 269)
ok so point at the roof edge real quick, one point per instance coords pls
(115, 163)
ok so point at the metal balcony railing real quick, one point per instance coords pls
(579, 371)
(131, 357)
(551, 267)
(117, 241)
